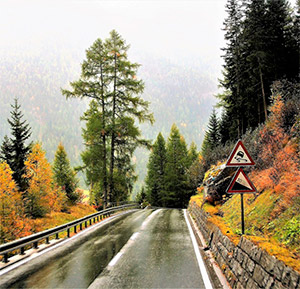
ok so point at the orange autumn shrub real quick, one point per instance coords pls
(280, 158)
(13, 224)
(42, 195)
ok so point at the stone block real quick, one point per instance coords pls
(240, 256)
(278, 269)
(249, 265)
(244, 278)
(228, 244)
(237, 269)
(249, 248)
(295, 280)
(261, 277)
(268, 262)
(238, 285)
(286, 276)
(290, 278)
(278, 285)
(251, 284)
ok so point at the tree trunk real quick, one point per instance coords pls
(263, 92)
(113, 135)
(104, 142)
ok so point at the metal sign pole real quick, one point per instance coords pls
(242, 214)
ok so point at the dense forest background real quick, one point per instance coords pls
(178, 94)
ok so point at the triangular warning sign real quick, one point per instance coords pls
(241, 183)
(239, 156)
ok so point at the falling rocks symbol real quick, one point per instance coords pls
(241, 183)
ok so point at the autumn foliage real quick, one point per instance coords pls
(12, 222)
(42, 195)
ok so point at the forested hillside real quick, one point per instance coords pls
(177, 94)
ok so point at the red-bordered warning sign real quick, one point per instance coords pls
(239, 156)
(241, 184)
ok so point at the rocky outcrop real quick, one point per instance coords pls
(216, 182)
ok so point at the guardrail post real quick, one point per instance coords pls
(90, 221)
(85, 224)
(75, 229)
(22, 251)
(35, 245)
(80, 226)
(5, 258)
(56, 236)
(47, 240)
(68, 232)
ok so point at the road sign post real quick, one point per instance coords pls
(240, 183)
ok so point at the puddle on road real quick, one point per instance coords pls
(83, 263)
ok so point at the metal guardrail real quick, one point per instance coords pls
(33, 239)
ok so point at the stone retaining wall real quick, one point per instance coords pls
(245, 265)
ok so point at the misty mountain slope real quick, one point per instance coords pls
(177, 94)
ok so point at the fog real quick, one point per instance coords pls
(179, 30)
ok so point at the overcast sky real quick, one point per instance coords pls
(175, 29)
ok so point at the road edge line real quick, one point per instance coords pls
(201, 264)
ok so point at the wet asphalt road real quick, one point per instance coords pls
(161, 255)
(78, 265)
(158, 253)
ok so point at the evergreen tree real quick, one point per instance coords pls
(212, 135)
(177, 191)
(64, 175)
(155, 180)
(125, 100)
(94, 156)
(110, 79)
(14, 150)
(192, 154)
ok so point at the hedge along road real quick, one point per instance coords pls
(159, 253)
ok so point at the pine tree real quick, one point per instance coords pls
(177, 191)
(64, 176)
(14, 150)
(155, 180)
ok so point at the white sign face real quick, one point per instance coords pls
(241, 184)
(239, 156)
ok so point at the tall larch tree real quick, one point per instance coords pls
(14, 150)
(125, 98)
(109, 78)
(155, 179)
(94, 84)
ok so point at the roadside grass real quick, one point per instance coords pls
(275, 233)
(59, 218)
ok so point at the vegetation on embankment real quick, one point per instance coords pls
(272, 218)
(275, 235)
(59, 218)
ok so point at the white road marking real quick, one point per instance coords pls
(145, 223)
(115, 259)
(131, 240)
(133, 237)
(202, 267)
